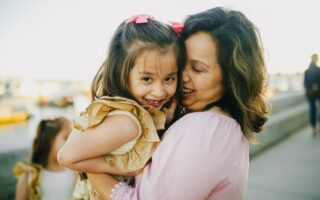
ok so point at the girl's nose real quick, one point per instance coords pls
(158, 91)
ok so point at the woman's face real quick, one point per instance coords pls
(202, 76)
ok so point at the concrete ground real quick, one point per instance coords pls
(290, 170)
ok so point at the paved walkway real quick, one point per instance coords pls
(289, 170)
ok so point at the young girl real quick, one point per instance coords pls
(44, 177)
(139, 76)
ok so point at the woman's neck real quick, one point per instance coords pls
(218, 110)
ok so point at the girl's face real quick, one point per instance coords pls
(202, 76)
(153, 78)
(60, 139)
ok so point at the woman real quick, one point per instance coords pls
(205, 154)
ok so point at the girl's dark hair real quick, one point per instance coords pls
(129, 41)
(240, 56)
(47, 131)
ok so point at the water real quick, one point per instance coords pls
(16, 136)
(16, 139)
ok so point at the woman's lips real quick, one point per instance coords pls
(187, 92)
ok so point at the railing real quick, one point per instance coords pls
(289, 112)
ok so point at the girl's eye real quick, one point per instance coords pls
(147, 79)
(196, 69)
(170, 79)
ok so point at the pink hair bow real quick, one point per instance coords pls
(139, 19)
(177, 27)
(50, 118)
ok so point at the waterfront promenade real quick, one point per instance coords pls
(289, 170)
(286, 166)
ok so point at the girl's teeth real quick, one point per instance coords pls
(155, 103)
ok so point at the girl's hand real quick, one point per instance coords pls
(169, 110)
(135, 173)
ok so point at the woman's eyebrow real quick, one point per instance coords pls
(202, 63)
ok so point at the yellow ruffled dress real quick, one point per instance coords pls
(133, 155)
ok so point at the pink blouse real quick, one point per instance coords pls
(204, 155)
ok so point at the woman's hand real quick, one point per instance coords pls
(169, 110)
(103, 184)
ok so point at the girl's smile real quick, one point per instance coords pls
(153, 78)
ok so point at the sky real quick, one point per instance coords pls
(68, 39)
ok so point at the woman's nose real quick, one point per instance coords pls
(185, 76)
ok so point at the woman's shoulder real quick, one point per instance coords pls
(208, 117)
(202, 125)
(207, 132)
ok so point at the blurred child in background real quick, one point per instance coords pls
(43, 177)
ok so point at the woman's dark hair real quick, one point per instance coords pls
(240, 56)
(129, 41)
(47, 131)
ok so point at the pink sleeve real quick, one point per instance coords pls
(203, 156)
(122, 191)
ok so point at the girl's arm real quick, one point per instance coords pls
(22, 190)
(99, 165)
(104, 138)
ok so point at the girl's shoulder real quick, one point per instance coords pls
(26, 167)
(125, 114)
(97, 111)
(31, 172)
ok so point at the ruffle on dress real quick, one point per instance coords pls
(33, 171)
(150, 120)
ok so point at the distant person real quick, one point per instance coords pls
(117, 134)
(312, 87)
(44, 178)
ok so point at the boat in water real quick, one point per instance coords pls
(9, 115)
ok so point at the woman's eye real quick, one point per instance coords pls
(196, 69)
